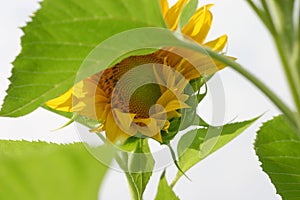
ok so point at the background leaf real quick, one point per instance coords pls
(278, 148)
(164, 190)
(59, 38)
(283, 19)
(190, 153)
(39, 170)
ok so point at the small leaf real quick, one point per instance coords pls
(39, 170)
(164, 190)
(278, 148)
(140, 165)
(197, 144)
(72, 119)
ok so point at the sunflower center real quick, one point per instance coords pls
(109, 77)
(143, 98)
(131, 84)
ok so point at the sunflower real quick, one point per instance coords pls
(141, 95)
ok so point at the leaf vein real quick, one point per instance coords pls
(100, 18)
(40, 97)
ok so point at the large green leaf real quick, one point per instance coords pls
(278, 148)
(197, 144)
(55, 46)
(164, 190)
(59, 38)
(39, 170)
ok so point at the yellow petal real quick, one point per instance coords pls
(166, 126)
(170, 76)
(89, 108)
(85, 88)
(152, 129)
(217, 44)
(102, 111)
(113, 133)
(165, 98)
(79, 90)
(191, 74)
(221, 65)
(158, 137)
(63, 102)
(199, 24)
(205, 65)
(173, 114)
(164, 6)
(175, 105)
(125, 120)
(172, 16)
(181, 85)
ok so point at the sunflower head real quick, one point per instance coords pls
(146, 95)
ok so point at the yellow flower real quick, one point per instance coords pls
(126, 102)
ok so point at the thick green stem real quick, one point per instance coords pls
(286, 51)
(292, 76)
(268, 15)
(260, 13)
(259, 84)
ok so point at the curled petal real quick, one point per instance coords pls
(217, 44)
(172, 16)
(113, 133)
(63, 102)
(164, 5)
(199, 25)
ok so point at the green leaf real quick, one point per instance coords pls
(140, 165)
(197, 144)
(164, 190)
(56, 43)
(278, 148)
(60, 37)
(39, 170)
(59, 57)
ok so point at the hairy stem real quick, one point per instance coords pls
(286, 49)
(259, 84)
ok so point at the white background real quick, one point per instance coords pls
(232, 173)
